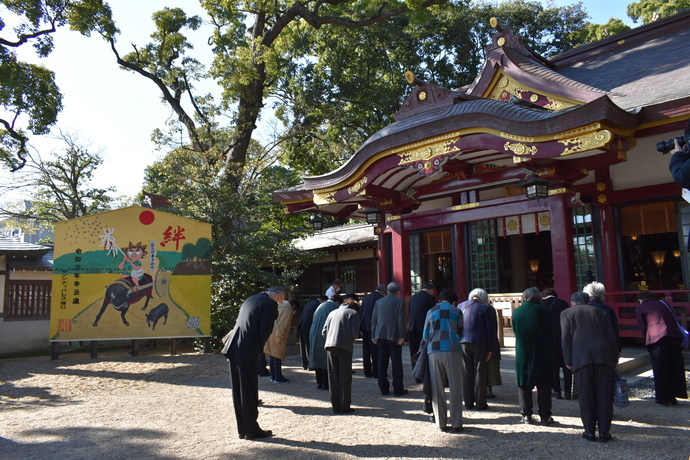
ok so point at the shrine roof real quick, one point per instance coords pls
(642, 67)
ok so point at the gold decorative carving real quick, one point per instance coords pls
(586, 142)
(359, 185)
(555, 104)
(501, 41)
(392, 218)
(428, 152)
(512, 137)
(602, 198)
(507, 84)
(620, 42)
(520, 149)
(422, 95)
(324, 198)
(462, 207)
(578, 131)
(534, 98)
(601, 186)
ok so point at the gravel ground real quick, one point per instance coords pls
(160, 406)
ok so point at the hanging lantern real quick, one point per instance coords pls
(317, 221)
(373, 215)
(536, 189)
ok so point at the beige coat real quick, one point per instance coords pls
(277, 342)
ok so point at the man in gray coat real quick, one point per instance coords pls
(388, 333)
(590, 350)
(341, 330)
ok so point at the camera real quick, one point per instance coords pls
(666, 146)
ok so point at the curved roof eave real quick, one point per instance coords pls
(483, 114)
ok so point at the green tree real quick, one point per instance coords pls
(29, 97)
(647, 11)
(596, 32)
(253, 43)
(252, 236)
(59, 188)
(352, 83)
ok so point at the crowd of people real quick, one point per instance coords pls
(454, 347)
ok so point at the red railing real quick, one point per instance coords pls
(624, 303)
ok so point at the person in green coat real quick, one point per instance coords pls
(318, 359)
(533, 362)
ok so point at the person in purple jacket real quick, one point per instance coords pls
(659, 327)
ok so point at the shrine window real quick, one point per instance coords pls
(650, 246)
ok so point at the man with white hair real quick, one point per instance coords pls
(477, 347)
(597, 294)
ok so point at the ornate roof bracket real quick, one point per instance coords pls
(506, 37)
(426, 96)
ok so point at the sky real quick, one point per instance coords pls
(116, 111)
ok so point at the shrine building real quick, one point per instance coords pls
(543, 172)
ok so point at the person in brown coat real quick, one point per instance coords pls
(276, 346)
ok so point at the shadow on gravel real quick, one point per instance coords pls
(87, 443)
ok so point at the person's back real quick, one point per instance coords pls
(388, 318)
(368, 309)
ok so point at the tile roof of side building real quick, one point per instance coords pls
(358, 234)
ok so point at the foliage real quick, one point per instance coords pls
(29, 96)
(596, 32)
(59, 187)
(252, 237)
(350, 83)
(647, 11)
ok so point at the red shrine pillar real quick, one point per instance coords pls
(400, 248)
(562, 250)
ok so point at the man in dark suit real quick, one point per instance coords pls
(242, 346)
(304, 327)
(370, 354)
(420, 304)
(551, 302)
(388, 333)
(590, 350)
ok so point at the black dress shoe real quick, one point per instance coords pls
(402, 393)
(547, 421)
(456, 429)
(526, 419)
(589, 437)
(347, 411)
(605, 437)
(557, 395)
(259, 435)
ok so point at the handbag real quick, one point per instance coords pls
(620, 390)
(685, 335)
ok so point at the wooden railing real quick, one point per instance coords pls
(27, 299)
(624, 303)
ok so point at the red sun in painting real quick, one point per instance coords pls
(147, 217)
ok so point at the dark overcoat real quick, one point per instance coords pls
(533, 345)
(318, 358)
